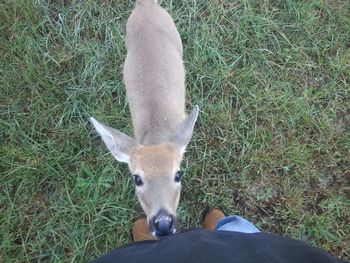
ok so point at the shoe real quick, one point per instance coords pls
(140, 230)
(212, 218)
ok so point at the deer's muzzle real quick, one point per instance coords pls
(162, 224)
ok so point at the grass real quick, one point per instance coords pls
(272, 79)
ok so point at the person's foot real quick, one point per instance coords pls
(212, 218)
(140, 230)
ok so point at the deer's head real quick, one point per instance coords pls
(155, 170)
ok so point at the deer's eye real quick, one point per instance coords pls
(178, 176)
(137, 179)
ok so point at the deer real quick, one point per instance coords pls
(154, 78)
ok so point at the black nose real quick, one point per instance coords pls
(163, 224)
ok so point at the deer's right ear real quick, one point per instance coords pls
(119, 144)
(183, 133)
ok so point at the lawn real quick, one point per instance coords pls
(272, 79)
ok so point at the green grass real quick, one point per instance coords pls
(272, 79)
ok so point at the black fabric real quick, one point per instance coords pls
(219, 246)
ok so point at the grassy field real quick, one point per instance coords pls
(272, 79)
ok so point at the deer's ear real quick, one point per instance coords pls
(183, 133)
(119, 144)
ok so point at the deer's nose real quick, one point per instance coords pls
(163, 224)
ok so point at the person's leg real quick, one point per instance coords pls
(237, 224)
(215, 220)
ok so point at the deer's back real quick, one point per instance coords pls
(154, 73)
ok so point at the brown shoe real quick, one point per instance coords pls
(212, 218)
(140, 230)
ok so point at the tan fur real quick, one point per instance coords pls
(154, 160)
(154, 73)
(157, 165)
(154, 77)
(155, 84)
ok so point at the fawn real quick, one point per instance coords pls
(154, 78)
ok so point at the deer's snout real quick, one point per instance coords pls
(163, 224)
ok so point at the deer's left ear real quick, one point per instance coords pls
(183, 133)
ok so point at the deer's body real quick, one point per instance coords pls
(154, 77)
(153, 73)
